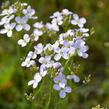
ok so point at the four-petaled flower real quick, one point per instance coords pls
(78, 21)
(60, 85)
(23, 42)
(37, 78)
(8, 29)
(22, 23)
(28, 62)
(29, 13)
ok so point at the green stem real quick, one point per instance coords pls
(65, 65)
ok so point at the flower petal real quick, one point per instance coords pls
(62, 94)
(56, 87)
(19, 28)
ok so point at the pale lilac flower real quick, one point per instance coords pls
(32, 55)
(63, 92)
(22, 23)
(78, 21)
(52, 26)
(36, 34)
(38, 25)
(46, 61)
(23, 42)
(8, 12)
(6, 19)
(28, 62)
(56, 65)
(57, 21)
(73, 77)
(60, 85)
(69, 47)
(55, 45)
(79, 45)
(38, 48)
(61, 52)
(8, 28)
(56, 14)
(29, 12)
(48, 47)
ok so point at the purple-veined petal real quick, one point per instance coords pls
(57, 57)
(26, 27)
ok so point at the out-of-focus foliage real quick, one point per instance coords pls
(13, 79)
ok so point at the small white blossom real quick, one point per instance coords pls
(46, 61)
(36, 34)
(78, 21)
(8, 12)
(37, 78)
(23, 42)
(73, 77)
(38, 48)
(53, 26)
(32, 55)
(66, 12)
(8, 29)
(28, 62)
(38, 25)
(29, 12)
(6, 19)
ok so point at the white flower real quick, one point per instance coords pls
(6, 19)
(56, 14)
(22, 23)
(37, 33)
(38, 25)
(74, 77)
(23, 42)
(29, 12)
(53, 26)
(8, 12)
(28, 62)
(84, 31)
(57, 20)
(38, 48)
(46, 61)
(48, 47)
(8, 29)
(66, 12)
(61, 52)
(78, 21)
(24, 4)
(32, 55)
(37, 79)
(79, 45)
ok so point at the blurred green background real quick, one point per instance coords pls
(13, 78)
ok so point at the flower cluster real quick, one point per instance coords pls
(67, 34)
